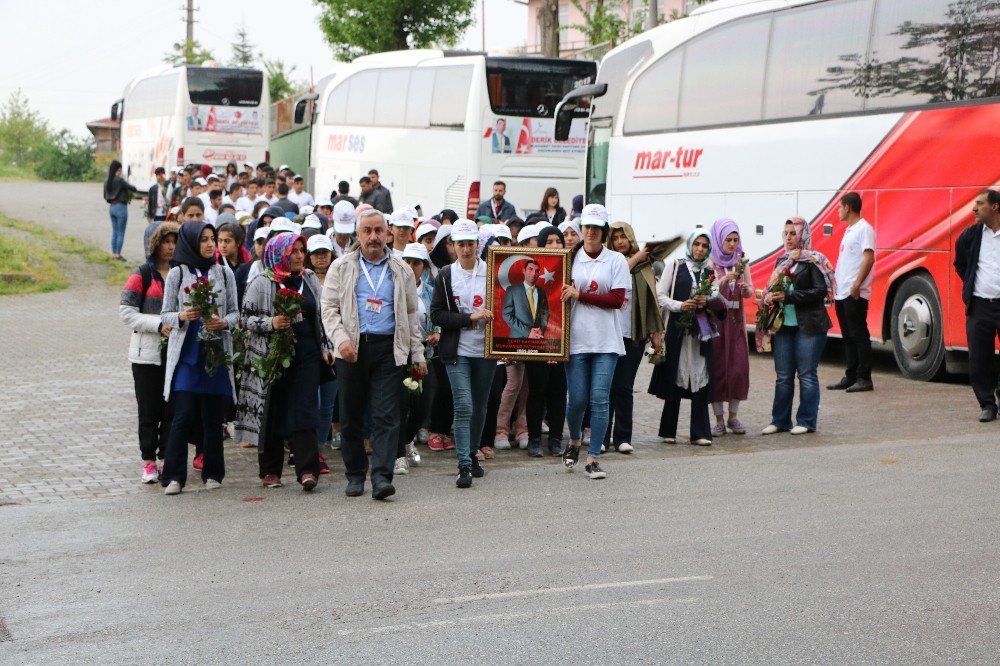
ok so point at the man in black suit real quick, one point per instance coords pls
(157, 202)
(977, 262)
(525, 306)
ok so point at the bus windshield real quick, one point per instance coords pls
(225, 86)
(532, 87)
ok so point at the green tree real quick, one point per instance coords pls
(188, 53)
(22, 130)
(600, 24)
(279, 80)
(243, 51)
(67, 158)
(357, 27)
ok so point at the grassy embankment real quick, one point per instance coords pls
(33, 258)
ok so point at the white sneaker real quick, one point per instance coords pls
(603, 448)
(413, 454)
(522, 443)
(586, 435)
(173, 488)
(769, 430)
(423, 435)
(150, 473)
(800, 430)
(402, 466)
(668, 440)
(502, 444)
(212, 484)
(625, 447)
(702, 442)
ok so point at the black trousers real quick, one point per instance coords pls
(701, 428)
(374, 374)
(622, 401)
(546, 395)
(304, 448)
(853, 318)
(982, 326)
(411, 413)
(442, 408)
(154, 411)
(493, 406)
(194, 412)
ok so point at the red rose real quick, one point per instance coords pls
(711, 278)
(187, 290)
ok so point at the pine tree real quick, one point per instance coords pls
(243, 50)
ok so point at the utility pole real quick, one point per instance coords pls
(651, 18)
(190, 21)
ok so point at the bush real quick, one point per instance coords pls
(67, 158)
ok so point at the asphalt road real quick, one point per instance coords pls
(873, 540)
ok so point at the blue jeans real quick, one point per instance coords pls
(796, 352)
(588, 379)
(119, 218)
(470, 379)
(327, 403)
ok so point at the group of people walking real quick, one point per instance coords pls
(367, 331)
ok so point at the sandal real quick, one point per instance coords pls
(737, 427)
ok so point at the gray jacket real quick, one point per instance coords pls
(378, 198)
(178, 278)
(258, 313)
(340, 307)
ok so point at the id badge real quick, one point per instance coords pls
(297, 319)
(373, 305)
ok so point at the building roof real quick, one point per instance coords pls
(104, 123)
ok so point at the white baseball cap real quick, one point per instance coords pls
(249, 164)
(283, 167)
(594, 215)
(319, 242)
(306, 210)
(312, 222)
(416, 251)
(343, 218)
(284, 224)
(464, 230)
(401, 218)
(501, 231)
(320, 203)
(425, 229)
(261, 233)
(201, 181)
(526, 232)
(213, 176)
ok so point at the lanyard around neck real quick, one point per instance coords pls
(368, 277)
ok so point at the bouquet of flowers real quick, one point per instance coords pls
(769, 317)
(697, 323)
(738, 271)
(240, 336)
(281, 345)
(414, 382)
(202, 296)
(741, 265)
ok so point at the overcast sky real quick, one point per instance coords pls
(73, 59)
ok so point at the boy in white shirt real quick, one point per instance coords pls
(299, 196)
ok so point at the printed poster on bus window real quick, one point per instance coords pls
(224, 119)
(530, 322)
(534, 136)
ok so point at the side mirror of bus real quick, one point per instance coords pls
(300, 108)
(114, 110)
(567, 108)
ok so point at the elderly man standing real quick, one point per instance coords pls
(370, 309)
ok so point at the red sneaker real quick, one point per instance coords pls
(323, 467)
(272, 481)
(436, 443)
(199, 461)
(449, 443)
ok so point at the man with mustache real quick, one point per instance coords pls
(369, 307)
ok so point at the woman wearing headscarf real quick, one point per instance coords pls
(571, 233)
(686, 370)
(641, 323)
(187, 384)
(286, 409)
(800, 340)
(730, 352)
(139, 309)
(117, 192)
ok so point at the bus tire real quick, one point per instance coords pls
(917, 331)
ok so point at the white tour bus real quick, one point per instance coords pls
(763, 109)
(441, 127)
(181, 115)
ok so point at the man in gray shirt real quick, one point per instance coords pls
(374, 193)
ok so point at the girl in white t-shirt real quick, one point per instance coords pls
(601, 279)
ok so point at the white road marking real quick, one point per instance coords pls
(573, 588)
(502, 617)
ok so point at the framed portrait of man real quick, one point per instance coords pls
(523, 290)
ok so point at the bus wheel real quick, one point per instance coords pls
(917, 333)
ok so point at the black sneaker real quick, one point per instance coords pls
(534, 448)
(464, 479)
(594, 471)
(571, 456)
(477, 469)
(555, 447)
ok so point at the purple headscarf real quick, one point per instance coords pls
(720, 229)
(277, 255)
